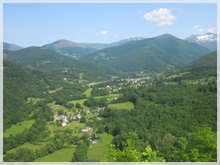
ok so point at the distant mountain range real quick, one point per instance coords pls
(46, 60)
(11, 47)
(70, 48)
(100, 46)
(208, 40)
(153, 54)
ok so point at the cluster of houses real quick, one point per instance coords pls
(74, 117)
(136, 80)
(62, 118)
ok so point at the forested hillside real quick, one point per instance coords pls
(70, 49)
(151, 55)
(203, 67)
(49, 61)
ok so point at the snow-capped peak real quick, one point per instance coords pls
(209, 37)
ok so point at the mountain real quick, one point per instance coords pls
(208, 60)
(70, 48)
(100, 46)
(11, 47)
(208, 40)
(202, 67)
(47, 60)
(152, 54)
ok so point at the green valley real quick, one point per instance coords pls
(151, 102)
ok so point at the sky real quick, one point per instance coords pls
(37, 24)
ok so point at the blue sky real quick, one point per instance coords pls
(39, 24)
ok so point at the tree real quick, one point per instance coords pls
(201, 146)
(82, 119)
(78, 105)
(70, 106)
(130, 154)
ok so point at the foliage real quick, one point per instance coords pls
(200, 146)
(130, 154)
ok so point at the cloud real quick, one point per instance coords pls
(116, 36)
(102, 33)
(200, 30)
(211, 30)
(161, 16)
(196, 27)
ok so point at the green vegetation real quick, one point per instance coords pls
(168, 117)
(151, 55)
(70, 49)
(63, 155)
(99, 151)
(126, 105)
(18, 128)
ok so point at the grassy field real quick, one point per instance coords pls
(52, 91)
(63, 155)
(79, 101)
(18, 128)
(100, 150)
(29, 146)
(178, 75)
(125, 105)
(34, 100)
(88, 92)
(81, 76)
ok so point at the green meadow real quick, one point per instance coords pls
(29, 146)
(125, 105)
(88, 92)
(99, 151)
(63, 155)
(34, 100)
(18, 128)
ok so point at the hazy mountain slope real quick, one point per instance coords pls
(100, 46)
(183, 50)
(206, 61)
(153, 54)
(47, 60)
(70, 48)
(203, 67)
(11, 47)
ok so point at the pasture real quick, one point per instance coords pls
(63, 155)
(18, 128)
(29, 146)
(125, 105)
(99, 151)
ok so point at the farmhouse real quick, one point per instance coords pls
(87, 129)
(72, 117)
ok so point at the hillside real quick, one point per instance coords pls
(100, 46)
(205, 66)
(19, 85)
(70, 48)
(47, 60)
(153, 54)
(12, 47)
